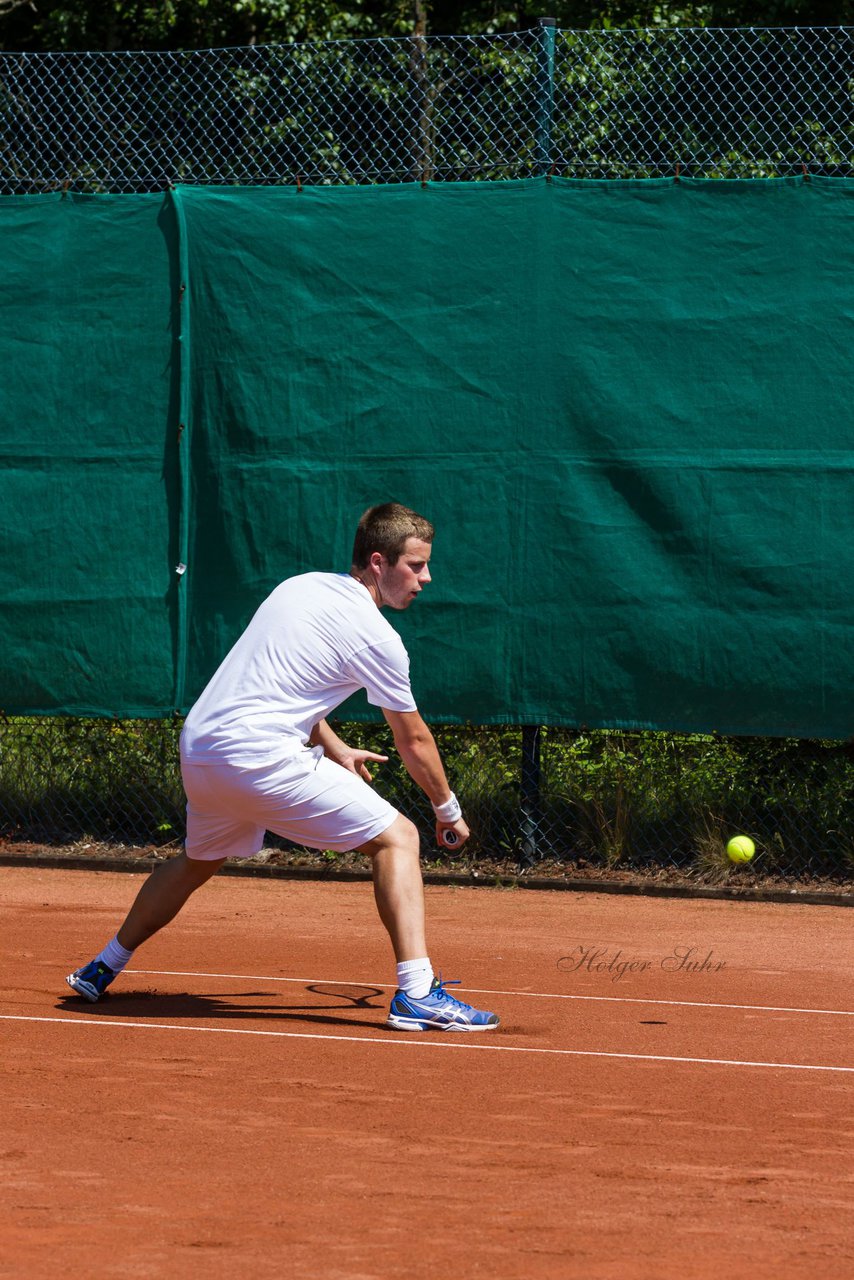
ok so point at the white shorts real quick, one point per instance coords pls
(307, 799)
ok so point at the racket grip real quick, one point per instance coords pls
(449, 838)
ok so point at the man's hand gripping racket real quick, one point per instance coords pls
(451, 829)
(452, 837)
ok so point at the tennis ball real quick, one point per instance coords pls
(740, 849)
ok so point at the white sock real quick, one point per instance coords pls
(415, 977)
(114, 956)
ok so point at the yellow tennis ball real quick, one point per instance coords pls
(740, 849)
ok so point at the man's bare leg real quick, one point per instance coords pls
(399, 888)
(399, 892)
(162, 896)
(159, 900)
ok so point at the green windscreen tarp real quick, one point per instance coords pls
(623, 404)
(89, 496)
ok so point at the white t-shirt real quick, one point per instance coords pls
(317, 639)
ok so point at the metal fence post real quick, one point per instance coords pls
(545, 90)
(530, 791)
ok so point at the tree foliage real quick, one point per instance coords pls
(31, 25)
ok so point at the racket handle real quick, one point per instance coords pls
(450, 838)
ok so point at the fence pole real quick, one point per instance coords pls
(423, 162)
(545, 89)
(530, 788)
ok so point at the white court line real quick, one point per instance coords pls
(486, 991)
(405, 1038)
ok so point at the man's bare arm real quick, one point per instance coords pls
(352, 758)
(419, 753)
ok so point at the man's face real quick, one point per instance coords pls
(400, 583)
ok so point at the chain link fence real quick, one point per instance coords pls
(702, 102)
(534, 797)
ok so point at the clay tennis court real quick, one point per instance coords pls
(236, 1106)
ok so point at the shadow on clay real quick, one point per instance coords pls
(319, 1008)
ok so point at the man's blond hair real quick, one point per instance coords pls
(385, 528)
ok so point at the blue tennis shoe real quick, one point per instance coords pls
(437, 1012)
(92, 980)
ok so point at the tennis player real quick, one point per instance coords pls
(257, 754)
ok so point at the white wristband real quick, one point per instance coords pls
(450, 811)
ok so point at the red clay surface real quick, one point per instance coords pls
(237, 1108)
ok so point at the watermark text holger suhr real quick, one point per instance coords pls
(614, 964)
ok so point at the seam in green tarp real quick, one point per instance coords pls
(183, 446)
